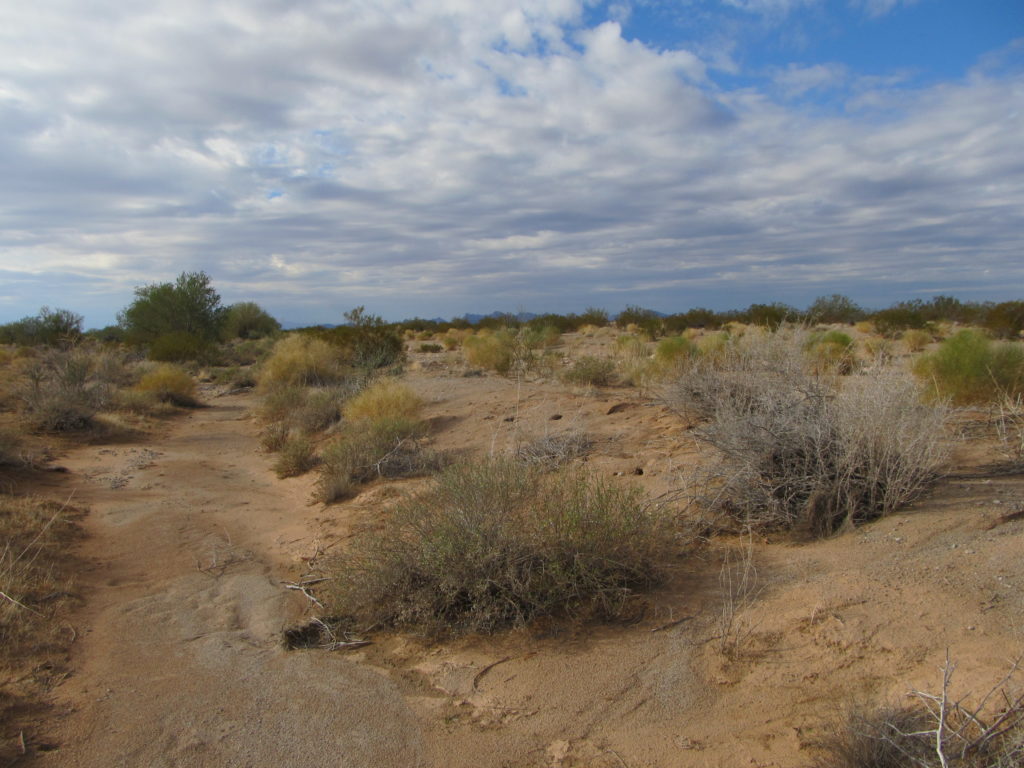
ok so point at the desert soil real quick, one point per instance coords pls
(179, 659)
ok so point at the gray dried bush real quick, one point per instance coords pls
(933, 730)
(498, 544)
(552, 451)
(61, 391)
(795, 450)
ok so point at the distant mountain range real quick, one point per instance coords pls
(470, 317)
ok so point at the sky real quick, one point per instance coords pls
(436, 157)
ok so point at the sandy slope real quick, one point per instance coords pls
(178, 660)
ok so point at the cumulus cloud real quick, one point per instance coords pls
(446, 156)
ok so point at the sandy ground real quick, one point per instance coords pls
(179, 660)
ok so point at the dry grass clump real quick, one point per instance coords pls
(915, 339)
(366, 450)
(320, 409)
(970, 368)
(491, 351)
(35, 535)
(552, 451)
(932, 731)
(590, 371)
(673, 353)
(385, 398)
(301, 359)
(169, 383)
(498, 544)
(796, 450)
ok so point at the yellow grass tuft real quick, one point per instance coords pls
(384, 399)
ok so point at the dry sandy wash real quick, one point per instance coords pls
(179, 659)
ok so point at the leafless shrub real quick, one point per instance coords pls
(552, 451)
(934, 731)
(795, 450)
(1009, 424)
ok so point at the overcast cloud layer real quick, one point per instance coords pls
(434, 158)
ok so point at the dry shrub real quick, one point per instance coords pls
(60, 391)
(169, 384)
(933, 730)
(635, 366)
(279, 402)
(295, 457)
(34, 538)
(590, 371)
(915, 339)
(140, 403)
(364, 451)
(386, 398)
(797, 451)
(431, 348)
(273, 436)
(498, 544)
(321, 409)
(552, 451)
(302, 359)
(10, 447)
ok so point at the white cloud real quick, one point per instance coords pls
(453, 155)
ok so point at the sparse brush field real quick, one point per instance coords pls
(643, 544)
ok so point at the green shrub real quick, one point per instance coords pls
(673, 352)
(189, 306)
(247, 320)
(52, 328)
(295, 457)
(321, 409)
(431, 348)
(280, 402)
(589, 371)
(178, 347)
(498, 544)
(831, 351)
(169, 384)
(970, 368)
(366, 450)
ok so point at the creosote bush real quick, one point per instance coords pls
(498, 544)
(969, 368)
(805, 451)
(590, 371)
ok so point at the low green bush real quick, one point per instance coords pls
(969, 368)
(498, 544)
(590, 371)
(295, 457)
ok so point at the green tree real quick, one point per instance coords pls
(188, 306)
(834, 309)
(51, 327)
(247, 320)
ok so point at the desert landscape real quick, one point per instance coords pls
(216, 569)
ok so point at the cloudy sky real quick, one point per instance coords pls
(437, 157)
